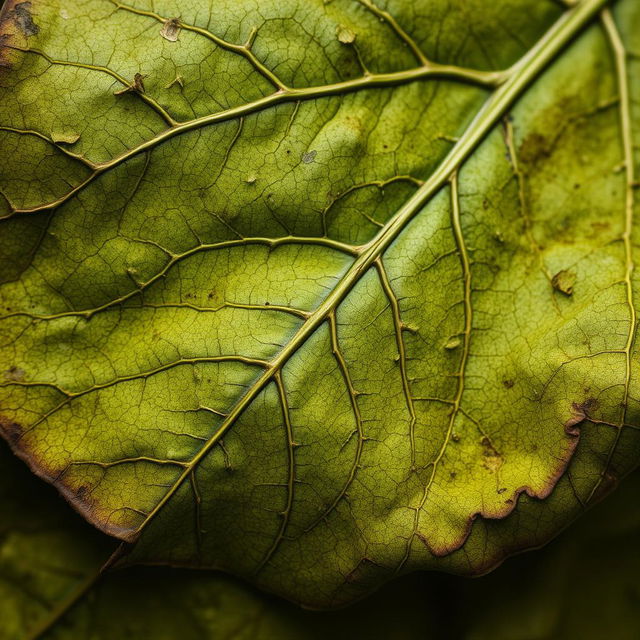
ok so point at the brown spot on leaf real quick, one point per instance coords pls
(534, 149)
(170, 30)
(137, 86)
(15, 374)
(10, 33)
(23, 20)
(564, 281)
(579, 413)
(82, 491)
(492, 460)
(10, 430)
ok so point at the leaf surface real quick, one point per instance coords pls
(48, 560)
(301, 291)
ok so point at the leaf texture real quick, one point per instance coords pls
(531, 596)
(302, 290)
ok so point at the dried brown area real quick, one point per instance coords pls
(511, 500)
(17, 23)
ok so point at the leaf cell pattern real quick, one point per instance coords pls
(299, 290)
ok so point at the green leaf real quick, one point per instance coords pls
(319, 312)
(584, 585)
(46, 553)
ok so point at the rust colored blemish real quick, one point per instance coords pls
(579, 413)
(8, 32)
(16, 26)
(5, 40)
(534, 149)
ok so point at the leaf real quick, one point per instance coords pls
(46, 551)
(581, 586)
(235, 306)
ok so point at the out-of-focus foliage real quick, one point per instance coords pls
(582, 586)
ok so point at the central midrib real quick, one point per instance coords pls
(520, 77)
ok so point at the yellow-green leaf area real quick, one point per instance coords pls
(320, 293)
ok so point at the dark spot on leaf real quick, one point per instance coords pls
(23, 19)
(10, 430)
(492, 460)
(534, 149)
(508, 384)
(16, 374)
(579, 413)
(81, 491)
(4, 45)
